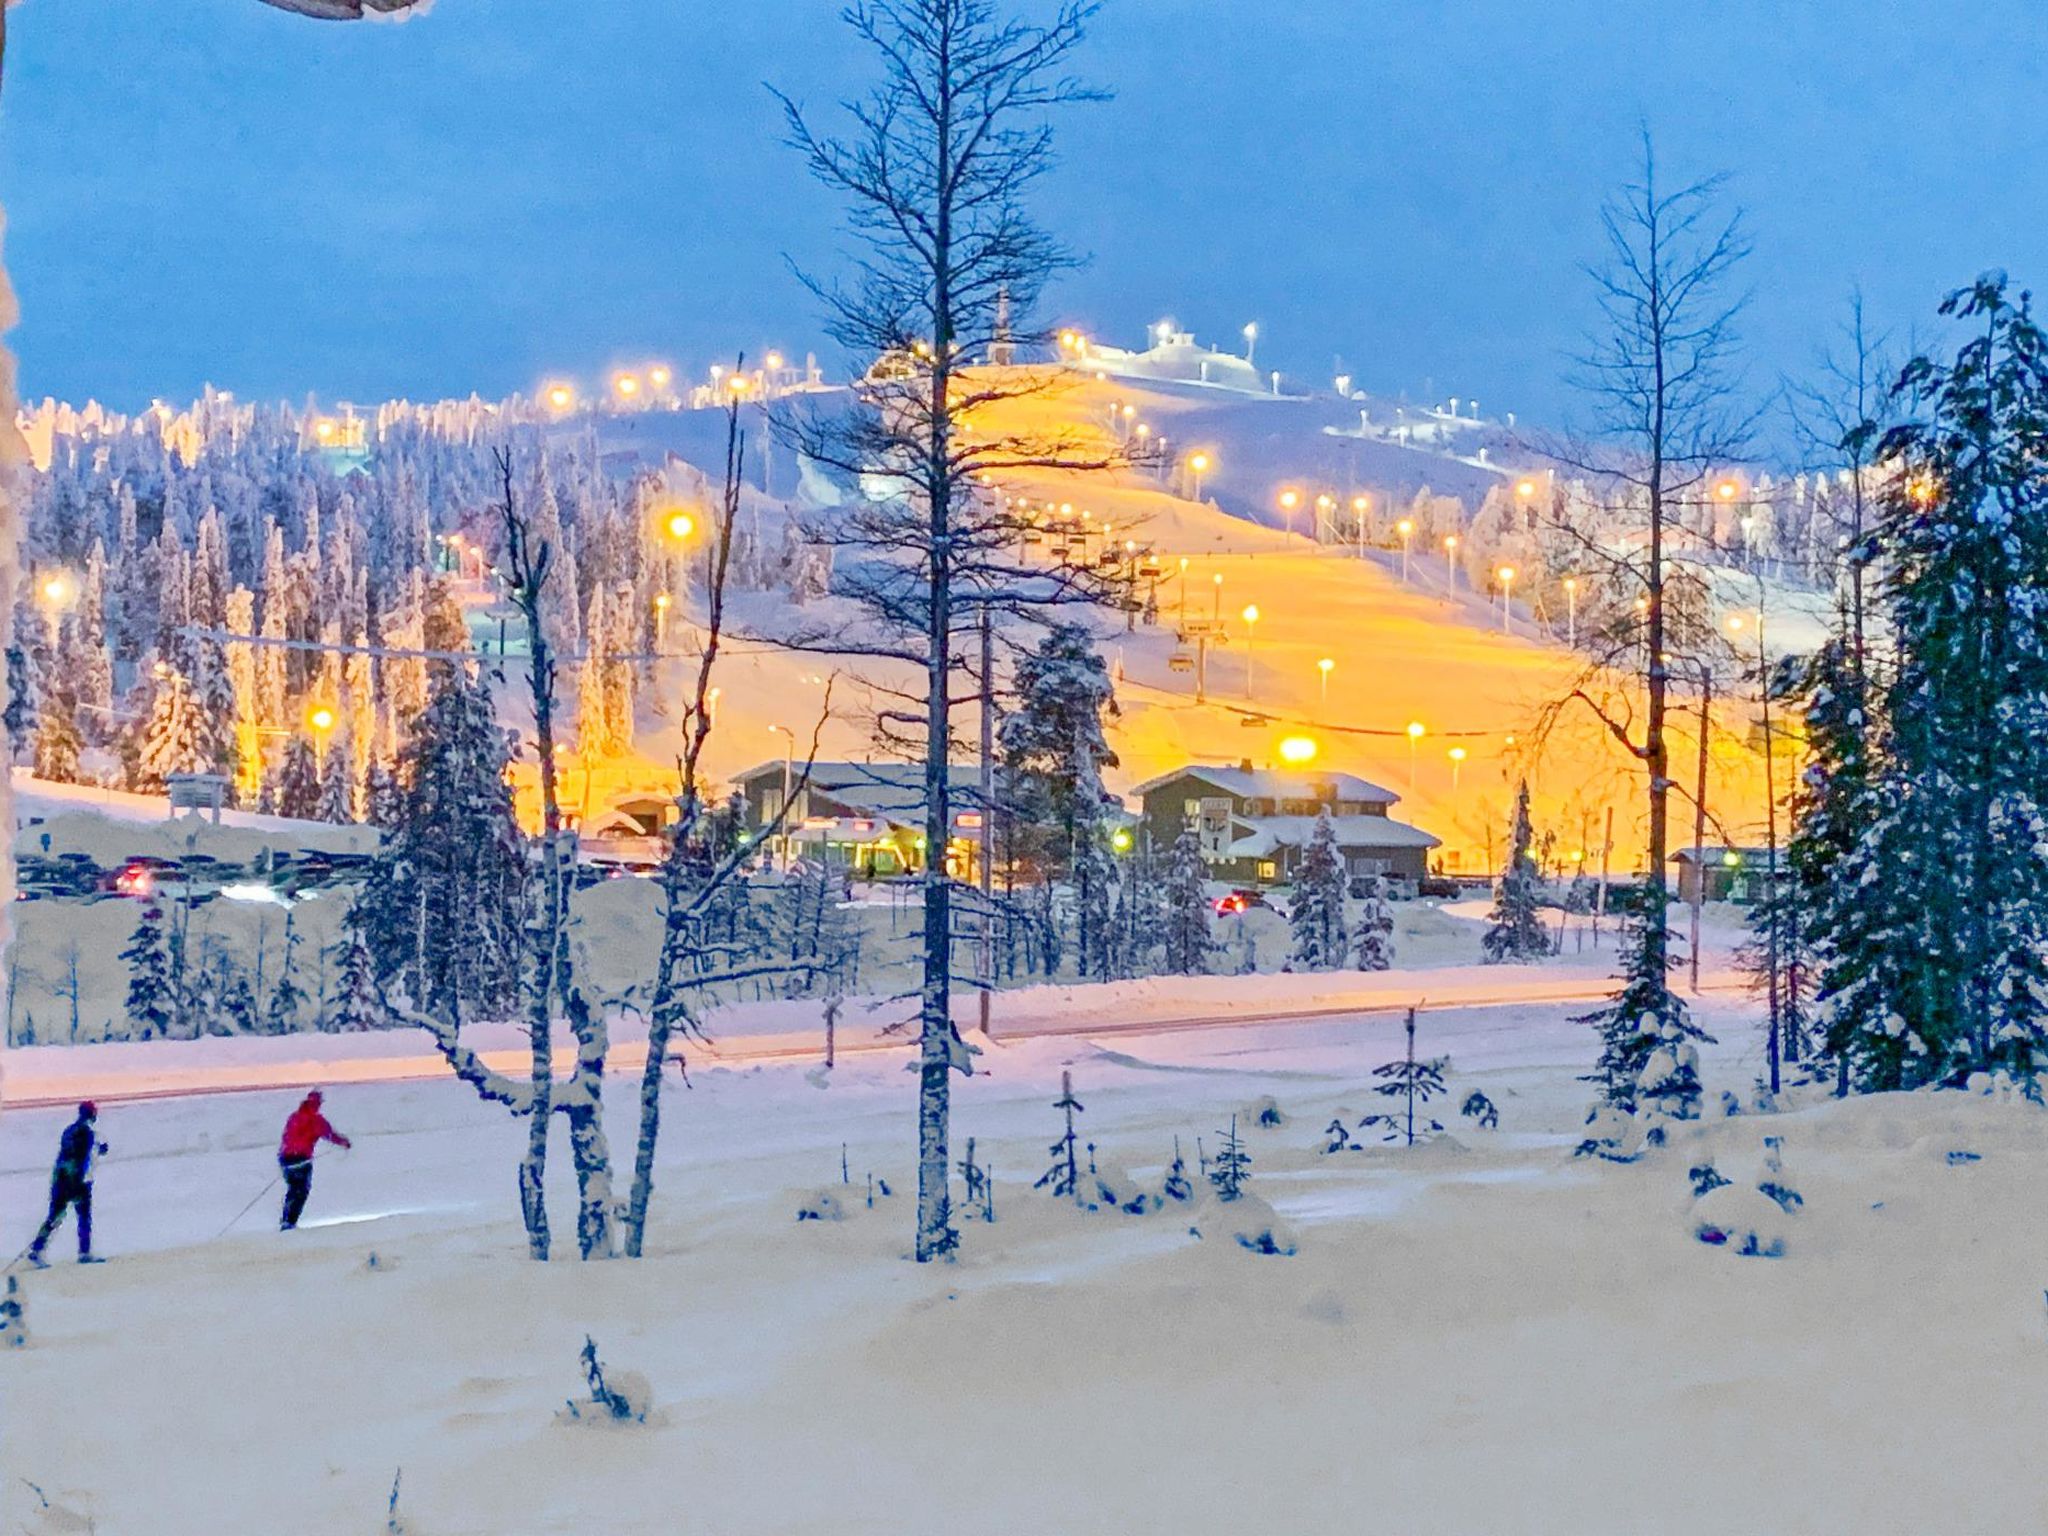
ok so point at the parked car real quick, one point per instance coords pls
(1239, 902)
(1438, 885)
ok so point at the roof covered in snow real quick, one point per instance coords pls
(1262, 834)
(1276, 784)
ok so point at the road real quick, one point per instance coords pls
(52, 1076)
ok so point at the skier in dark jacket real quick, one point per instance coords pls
(71, 1184)
(303, 1132)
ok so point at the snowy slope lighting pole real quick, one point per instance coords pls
(1251, 340)
(1406, 528)
(1251, 623)
(1506, 574)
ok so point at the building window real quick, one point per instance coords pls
(1268, 870)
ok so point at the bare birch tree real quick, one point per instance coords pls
(934, 165)
(1659, 376)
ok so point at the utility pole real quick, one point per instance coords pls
(1699, 823)
(1606, 866)
(985, 954)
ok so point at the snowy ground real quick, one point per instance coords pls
(1478, 1336)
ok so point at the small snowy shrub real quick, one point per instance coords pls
(13, 1317)
(822, 1206)
(1745, 1221)
(619, 1398)
(1479, 1107)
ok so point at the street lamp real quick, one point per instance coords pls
(1216, 601)
(1251, 623)
(1360, 505)
(1298, 750)
(1325, 505)
(1571, 611)
(627, 386)
(1457, 757)
(1406, 528)
(1415, 735)
(661, 602)
(1525, 489)
(1198, 466)
(680, 526)
(1506, 575)
(1251, 340)
(1289, 500)
(1324, 667)
(560, 398)
(1451, 565)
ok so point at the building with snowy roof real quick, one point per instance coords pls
(1254, 822)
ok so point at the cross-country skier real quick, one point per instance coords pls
(304, 1131)
(71, 1184)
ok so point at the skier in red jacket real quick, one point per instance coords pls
(304, 1131)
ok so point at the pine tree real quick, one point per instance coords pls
(175, 738)
(298, 782)
(152, 1003)
(1372, 939)
(337, 778)
(1064, 1176)
(1413, 1082)
(1649, 1058)
(1962, 820)
(1514, 932)
(1054, 752)
(358, 1003)
(287, 997)
(1186, 936)
(1232, 1167)
(1318, 917)
(58, 740)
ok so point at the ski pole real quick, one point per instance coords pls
(245, 1210)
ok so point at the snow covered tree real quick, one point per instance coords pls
(152, 995)
(58, 740)
(1514, 931)
(1649, 1058)
(337, 778)
(358, 1001)
(1064, 1176)
(1320, 932)
(297, 793)
(1411, 1081)
(175, 738)
(1964, 531)
(1185, 933)
(935, 166)
(281, 1010)
(449, 883)
(1372, 940)
(1232, 1167)
(1054, 751)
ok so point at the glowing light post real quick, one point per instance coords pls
(1289, 500)
(1183, 594)
(1415, 735)
(1297, 750)
(1506, 576)
(1450, 565)
(1198, 466)
(1251, 340)
(1216, 602)
(1571, 612)
(661, 604)
(681, 527)
(1406, 528)
(1324, 667)
(1360, 505)
(1251, 630)
(1326, 508)
(1457, 757)
(1763, 672)
(320, 719)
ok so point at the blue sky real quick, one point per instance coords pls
(212, 191)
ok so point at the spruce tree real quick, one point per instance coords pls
(1185, 920)
(1649, 1057)
(298, 782)
(1373, 938)
(1232, 1167)
(1064, 1175)
(358, 1003)
(1514, 932)
(152, 1003)
(287, 997)
(1317, 920)
(1964, 532)
(58, 740)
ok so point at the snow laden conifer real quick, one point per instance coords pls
(152, 998)
(1964, 533)
(287, 998)
(1232, 1167)
(1411, 1082)
(1317, 921)
(174, 737)
(358, 1002)
(1185, 935)
(1372, 938)
(297, 793)
(1054, 751)
(1648, 1071)
(1063, 1177)
(1514, 931)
